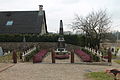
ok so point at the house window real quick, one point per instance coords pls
(9, 23)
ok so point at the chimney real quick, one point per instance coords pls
(40, 10)
(40, 7)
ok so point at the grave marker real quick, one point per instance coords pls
(1, 51)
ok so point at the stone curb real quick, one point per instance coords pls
(81, 63)
(5, 68)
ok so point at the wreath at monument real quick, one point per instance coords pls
(64, 56)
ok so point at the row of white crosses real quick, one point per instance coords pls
(98, 53)
(27, 52)
(6, 53)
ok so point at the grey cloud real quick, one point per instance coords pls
(63, 9)
(69, 1)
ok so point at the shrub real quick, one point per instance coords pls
(94, 57)
(29, 56)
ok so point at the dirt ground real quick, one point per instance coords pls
(62, 70)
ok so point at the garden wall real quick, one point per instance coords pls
(9, 46)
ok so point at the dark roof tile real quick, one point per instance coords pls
(23, 22)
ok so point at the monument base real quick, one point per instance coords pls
(61, 50)
(61, 57)
(61, 53)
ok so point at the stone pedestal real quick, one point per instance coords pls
(61, 44)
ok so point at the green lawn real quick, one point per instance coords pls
(117, 61)
(7, 58)
(99, 76)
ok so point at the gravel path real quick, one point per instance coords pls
(48, 71)
(48, 59)
(4, 66)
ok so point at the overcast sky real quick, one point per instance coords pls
(65, 10)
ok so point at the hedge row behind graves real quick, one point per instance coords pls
(70, 39)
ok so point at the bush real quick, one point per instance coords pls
(94, 57)
(30, 56)
(69, 39)
(75, 40)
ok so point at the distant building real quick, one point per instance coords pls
(67, 32)
(79, 32)
(23, 22)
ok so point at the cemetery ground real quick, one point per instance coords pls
(61, 70)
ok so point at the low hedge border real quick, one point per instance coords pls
(94, 57)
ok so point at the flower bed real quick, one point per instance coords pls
(85, 57)
(94, 57)
(64, 56)
(39, 56)
(106, 57)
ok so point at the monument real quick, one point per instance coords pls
(61, 40)
(61, 52)
(1, 51)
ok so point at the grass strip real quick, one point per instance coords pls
(99, 76)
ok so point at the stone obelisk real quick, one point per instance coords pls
(61, 28)
(61, 41)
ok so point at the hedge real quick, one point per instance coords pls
(30, 56)
(70, 39)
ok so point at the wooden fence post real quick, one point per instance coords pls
(20, 55)
(109, 56)
(53, 56)
(14, 57)
(72, 56)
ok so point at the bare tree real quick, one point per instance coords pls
(94, 25)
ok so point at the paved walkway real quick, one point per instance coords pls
(4, 66)
(48, 71)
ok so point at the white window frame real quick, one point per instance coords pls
(9, 23)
